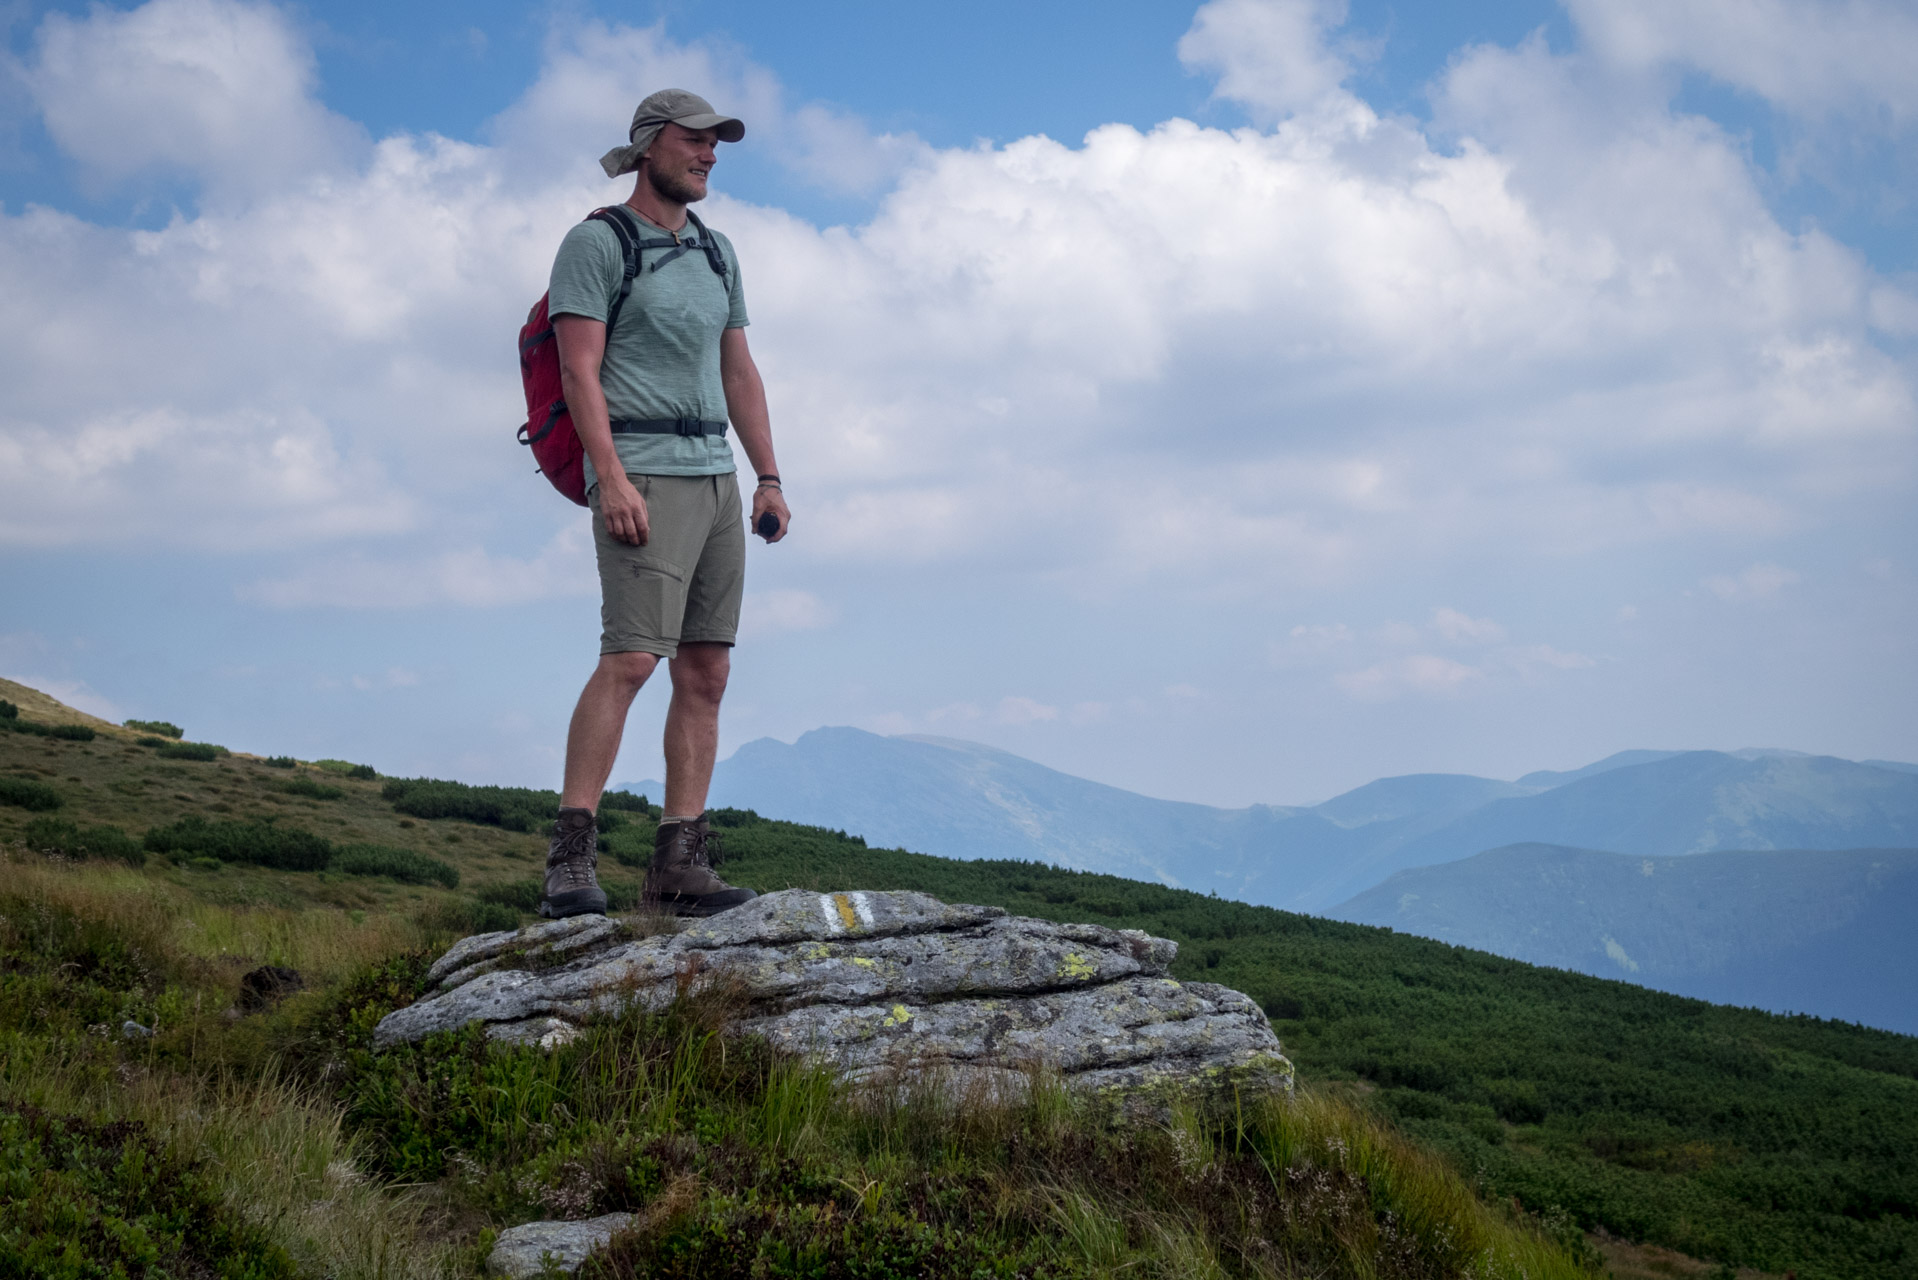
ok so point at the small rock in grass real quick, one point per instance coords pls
(520, 1251)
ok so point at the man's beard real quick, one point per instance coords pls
(677, 188)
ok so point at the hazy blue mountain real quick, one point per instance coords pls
(1435, 796)
(1896, 766)
(1811, 931)
(1544, 779)
(963, 800)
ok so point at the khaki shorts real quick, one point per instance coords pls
(684, 585)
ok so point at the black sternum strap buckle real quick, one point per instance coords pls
(689, 427)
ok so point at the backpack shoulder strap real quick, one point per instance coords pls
(627, 232)
(710, 243)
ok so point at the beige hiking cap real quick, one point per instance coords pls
(688, 110)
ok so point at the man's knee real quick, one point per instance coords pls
(700, 671)
(628, 671)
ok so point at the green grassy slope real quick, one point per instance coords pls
(210, 1139)
(1768, 1142)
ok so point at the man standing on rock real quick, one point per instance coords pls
(651, 402)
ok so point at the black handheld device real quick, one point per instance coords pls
(767, 526)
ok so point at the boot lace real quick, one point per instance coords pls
(576, 852)
(704, 847)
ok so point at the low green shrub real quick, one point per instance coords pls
(630, 846)
(153, 742)
(513, 808)
(82, 1200)
(261, 843)
(399, 864)
(25, 793)
(491, 917)
(627, 802)
(165, 729)
(58, 836)
(8, 711)
(279, 762)
(520, 895)
(347, 768)
(69, 732)
(190, 751)
(310, 789)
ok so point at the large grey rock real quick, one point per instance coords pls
(520, 1251)
(882, 987)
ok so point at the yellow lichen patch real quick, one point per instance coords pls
(899, 1016)
(818, 951)
(1075, 965)
(864, 962)
(847, 916)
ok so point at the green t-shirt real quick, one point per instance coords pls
(662, 358)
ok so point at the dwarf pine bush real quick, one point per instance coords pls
(513, 808)
(520, 895)
(190, 751)
(70, 840)
(69, 732)
(261, 843)
(347, 768)
(398, 864)
(28, 794)
(164, 728)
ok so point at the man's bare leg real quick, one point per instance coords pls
(692, 725)
(599, 721)
(681, 879)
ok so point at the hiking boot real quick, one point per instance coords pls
(572, 887)
(681, 879)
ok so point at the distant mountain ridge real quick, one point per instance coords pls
(965, 800)
(1790, 930)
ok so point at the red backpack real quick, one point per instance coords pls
(549, 427)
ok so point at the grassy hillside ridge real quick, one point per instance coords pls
(1768, 1142)
(35, 705)
(285, 1134)
(1816, 931)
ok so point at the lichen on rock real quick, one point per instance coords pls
(882, 987)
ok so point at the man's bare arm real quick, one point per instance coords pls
(746, 407)
(582, 346)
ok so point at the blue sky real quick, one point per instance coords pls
(1233, 402)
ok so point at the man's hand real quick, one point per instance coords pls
(768, 498)
(623, 510)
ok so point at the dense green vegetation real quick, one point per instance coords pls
(290, 1140)
(1770, 1142)
(71, 840)
(1767, 1142)
(86, 1200)
(28, 794)
(745, 1165)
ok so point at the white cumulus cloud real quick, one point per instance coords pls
(219, 90)
(1227, 363)
(1811, 56)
